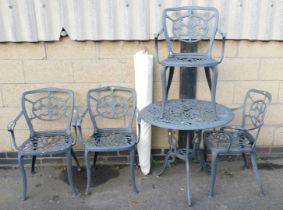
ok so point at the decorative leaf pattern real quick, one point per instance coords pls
(111, 140)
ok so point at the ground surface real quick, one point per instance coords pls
(235, 189)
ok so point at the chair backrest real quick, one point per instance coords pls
(190, 24)
(112, 108)
(48, 111)
(254, 108)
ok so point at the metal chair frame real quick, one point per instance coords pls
(239, 139)
(110, 106)
(190, 27)
(45, 142)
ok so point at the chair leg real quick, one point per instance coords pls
(208, 76)
(94, 159)
(88, 172)
(213, 173)
(245, 160)
(258, 178)
(33, 164)
(205, 152)
(188, 188)
(170, 78)
(164, 92)
(214, 85)
(69, 172)
(24, 177)
(76, 159)
(134, 186)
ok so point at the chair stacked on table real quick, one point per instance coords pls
(189, 25)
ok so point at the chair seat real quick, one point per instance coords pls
(219, 141)
(42, 145)
(189, 61)
(111, 141)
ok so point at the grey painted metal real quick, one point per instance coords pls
(191, 25)
(29, 20)
(240, 139)
(185, 114)
(187, 88)
(110, 103)
(48, 105)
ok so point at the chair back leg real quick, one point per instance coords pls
(245, 160)
(208, 76)
(95, 159)
(170, 78)
(33, 165)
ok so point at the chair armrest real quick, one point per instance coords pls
(11, 127)
(232, 127)
(77, 124)
(236, 108)
(156, 44)
(222, 45)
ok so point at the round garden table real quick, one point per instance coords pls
(185, 114)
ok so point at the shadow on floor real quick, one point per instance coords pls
(98, 177)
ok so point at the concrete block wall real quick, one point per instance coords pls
(83, 65)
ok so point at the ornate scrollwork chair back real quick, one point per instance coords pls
(48, 110)
(112, 108)
(254, 110)
(190, 24)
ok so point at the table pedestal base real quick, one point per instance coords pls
(182, 153)
(185, 154)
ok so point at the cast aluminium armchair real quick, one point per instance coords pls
(190, 24)
(240, 139)
(48, 114)
(111, 110)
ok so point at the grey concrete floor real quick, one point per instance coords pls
(236, 188)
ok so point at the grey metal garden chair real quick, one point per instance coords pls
(111, 111)
(240, 139)
(48, 113)
(189, 24)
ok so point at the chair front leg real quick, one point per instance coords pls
(134, 186)
(164, 91)
(188, 187)
(213, 173)
(88, 171)
(213, 87)
(69, 171)
(258, 178)
(24, 177)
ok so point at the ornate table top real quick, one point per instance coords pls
(186, 114)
